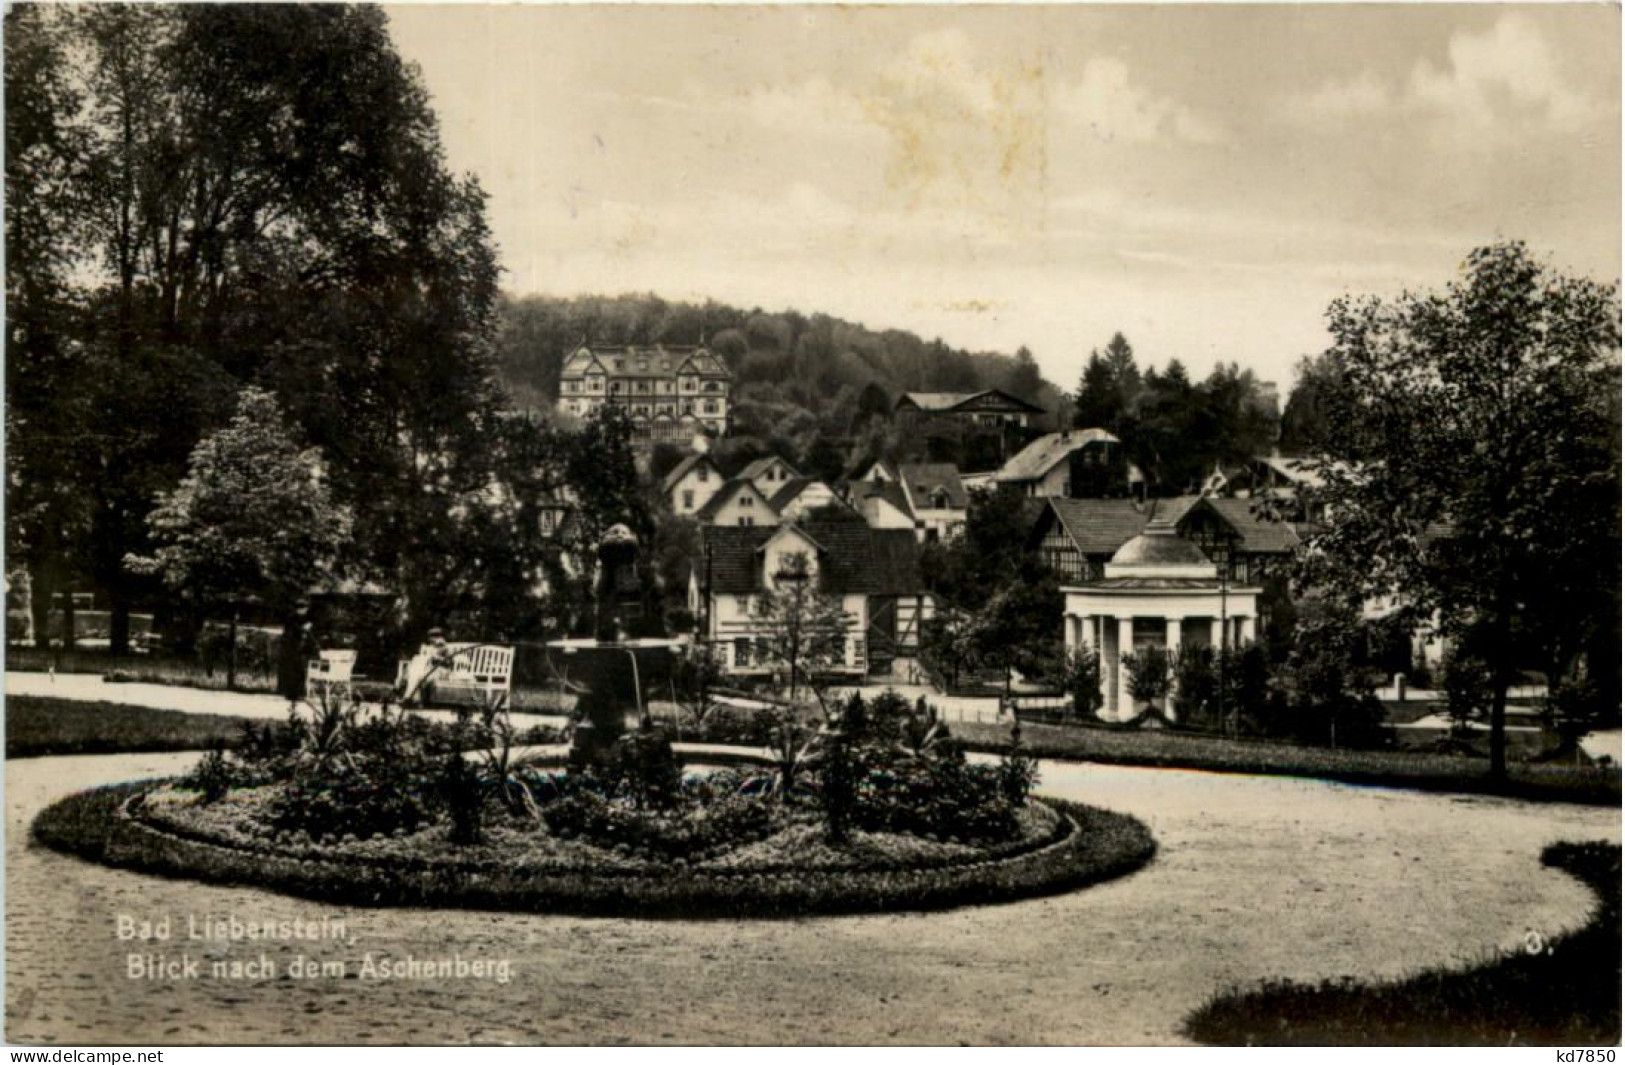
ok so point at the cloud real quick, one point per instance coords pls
(1115, 109)
(1511, 64)
(1507, 74)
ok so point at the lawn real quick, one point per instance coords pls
(1563, 993)
(1411, 769)
(40, 725)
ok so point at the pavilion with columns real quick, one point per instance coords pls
(1159, 590)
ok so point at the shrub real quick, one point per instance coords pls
(462, 793)
(1017, 773)
(1147, 674)
(213, 776)
(667, 835)
(933, 797)
(363, 796)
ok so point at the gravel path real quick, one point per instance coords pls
(1256, 877)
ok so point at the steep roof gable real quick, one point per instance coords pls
(1041, 456)
(730, 491)
(923, 479)
(683, 468)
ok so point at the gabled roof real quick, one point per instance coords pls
(1101, 526)
(792, 491)
(1041, 456)
(726, 494)
(1292, 469)
(682, 468)
(944, 402)
(704, 363)
(854, 559)
(885, 466)
(890, 491)
(762, 465)
(1257, 535)
(923, 478)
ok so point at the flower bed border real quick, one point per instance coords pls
(1093, 845)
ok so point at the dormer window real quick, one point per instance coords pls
(702, 474)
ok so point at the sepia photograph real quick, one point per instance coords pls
(800, 525)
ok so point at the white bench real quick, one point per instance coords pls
(486, 669)
(332, 671)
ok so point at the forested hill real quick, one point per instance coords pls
(796, 375)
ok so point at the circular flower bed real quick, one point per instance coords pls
(876, 809)
(787, 870)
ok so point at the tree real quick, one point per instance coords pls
(1149, 674)
(252, 519)
(1475, 468)
(1081, 678)
(1305, 424)
(1468, 689)
(237, 219)
(806, 628)
(1098, 401)
(1326, 685)
(48, 386)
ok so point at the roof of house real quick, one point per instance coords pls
(1101, 526)
(762, 465)
(890, 491)
(1258, 536)
(682, 468)
(725, 495)
(854, 559)
(942, 402)
(1295, 470)
(791, 491)
(1040, 456)
(923, 478)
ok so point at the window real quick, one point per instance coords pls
(703, 473)
(710, 407)
(688, 500)
(747, 501)
(742, 651)
(746, 519)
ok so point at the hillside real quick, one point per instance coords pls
(798, 378)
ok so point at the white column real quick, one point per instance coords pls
(1125, 647)
(1109, 661)
(1086, 633)
(1246, 637)
(1218, 635)
(1173, 660)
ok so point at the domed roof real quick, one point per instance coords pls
(1159, 545)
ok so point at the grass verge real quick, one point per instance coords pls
(1094, 845)
(1565, 993)
(39, 725)
(1593, 785)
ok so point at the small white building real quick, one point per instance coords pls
(769, 474)
(691, 484)
(1159, 591)
(874, 572)
(738, 502)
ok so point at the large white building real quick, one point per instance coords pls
(1159, 590)
(672, 394)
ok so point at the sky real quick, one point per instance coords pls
(1203, 179)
